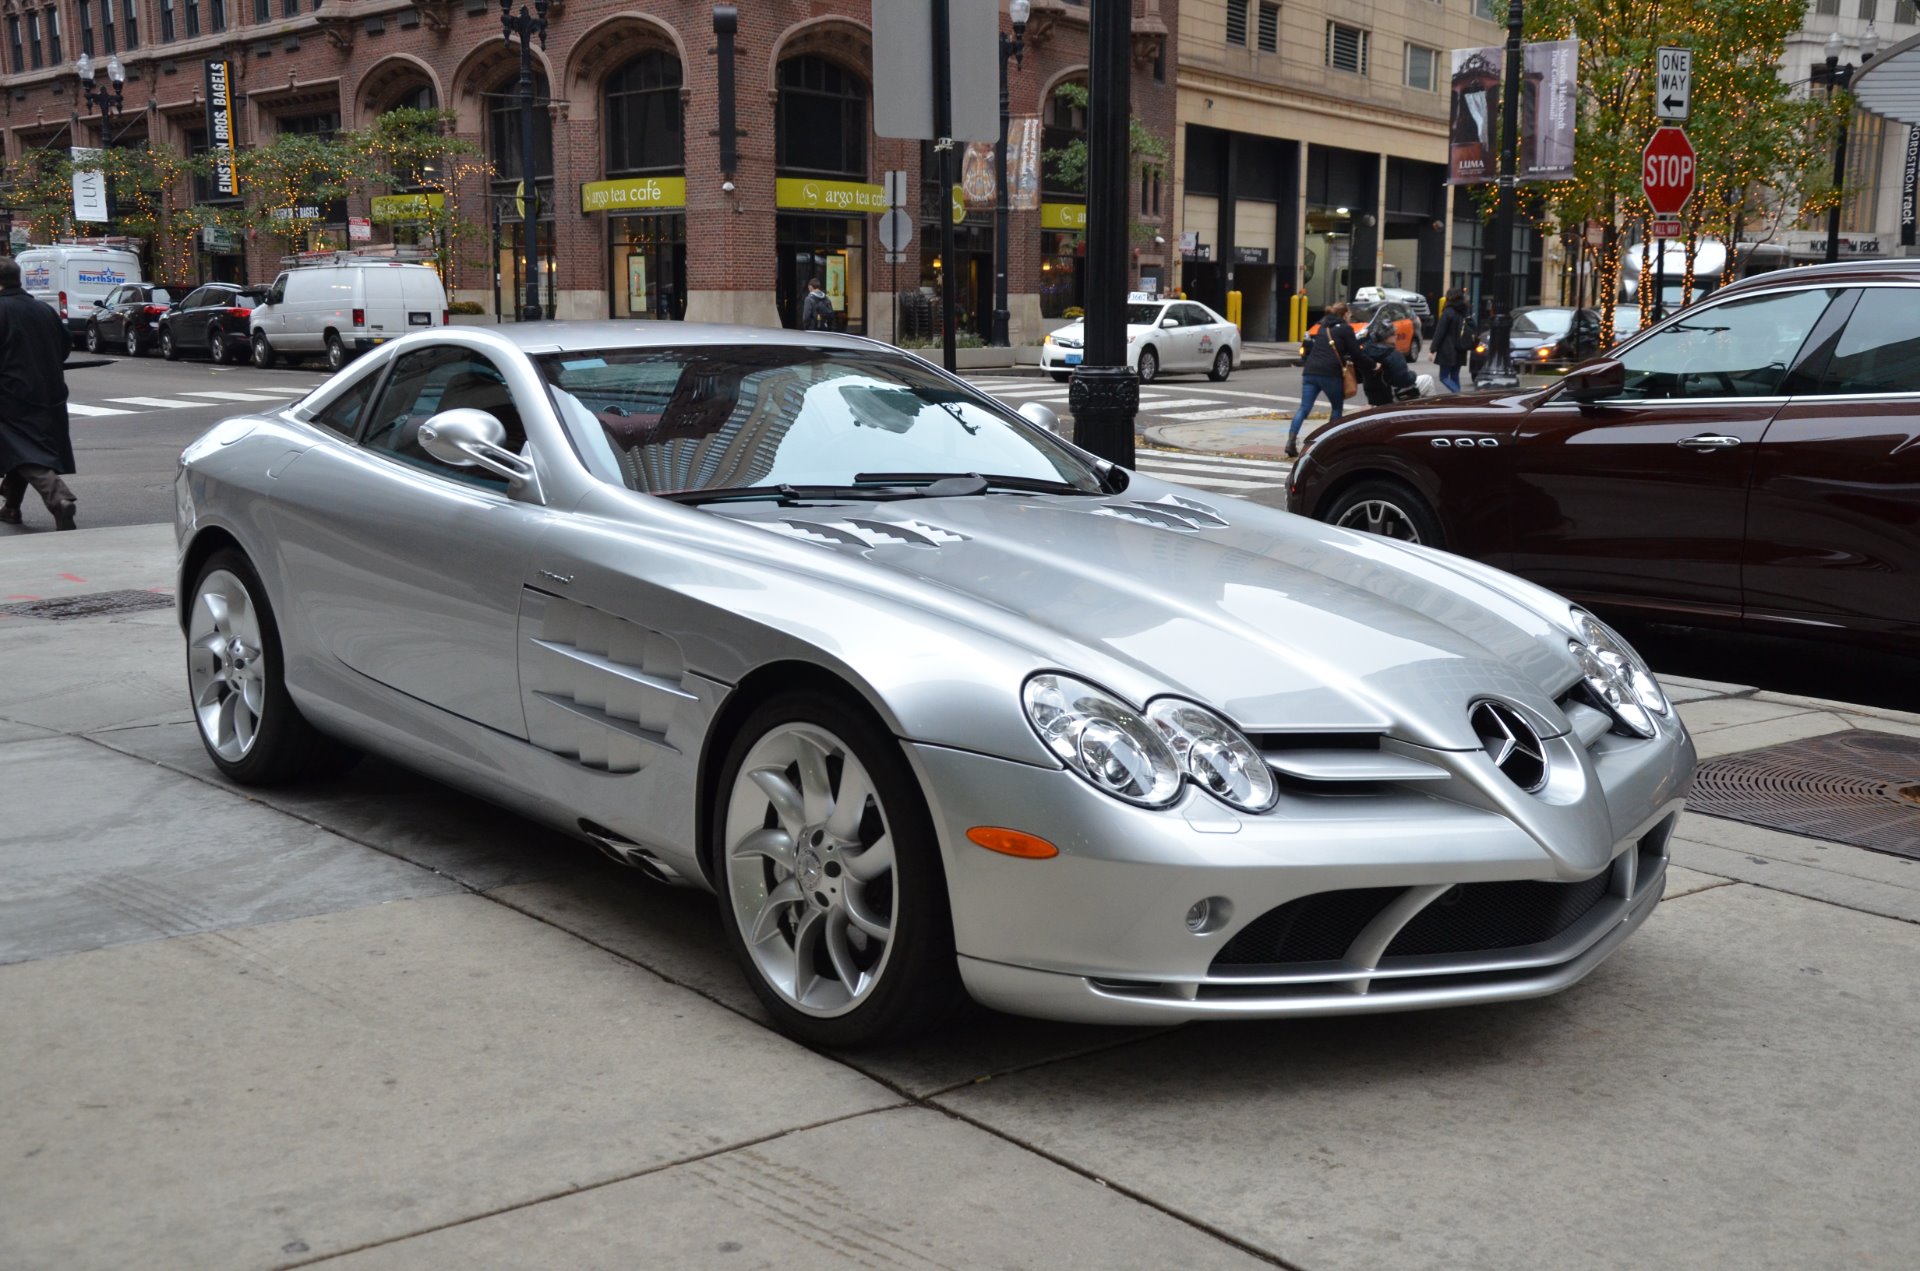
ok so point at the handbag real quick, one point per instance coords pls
(1349, 378)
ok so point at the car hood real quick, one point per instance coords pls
(1282, 623)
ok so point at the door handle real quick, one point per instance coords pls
(1709, 441)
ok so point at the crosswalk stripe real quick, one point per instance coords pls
(1229, 412)
(227, 396)
(75, 408)
(1195, 456)
(1272, 472)
(154, 401)
(1209, 483)
(1052, 392)
(1160, 404)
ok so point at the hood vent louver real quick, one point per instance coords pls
(863, 534)
(1169, 512)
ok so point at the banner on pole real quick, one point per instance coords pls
(89, 187)
(1910, 179)
(976, 175)
(1023, 163)
(1472, 156)
(1549, 112)
(226, 181)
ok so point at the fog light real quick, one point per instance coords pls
(1209, 915)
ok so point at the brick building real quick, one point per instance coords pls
(635, 219)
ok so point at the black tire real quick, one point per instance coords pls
(168, 349)
(262, 351)
(336, 351)
(1222, 366)
(136, 347)
(1391, 508)
(217, 347)
(1149, 365)
(919, 982)
(1061, 377)
(93, 337)
(286, 748)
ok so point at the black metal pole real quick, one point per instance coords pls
(1659, 278)
(1002, 234)
(1104, 395)
(1499, 372)
(943, 147)
(529, 186)
(1843, 76)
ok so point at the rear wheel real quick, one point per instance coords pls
(1149, 368)
(1222, 366)
(263, 355)
(336, 351)
(831, 886)
(1389, 509)
(168, 349)
(218, 347)
(236, 680)
(94, 342)
(136, 347)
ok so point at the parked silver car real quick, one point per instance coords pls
(933, 700)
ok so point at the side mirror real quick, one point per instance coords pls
(101, 303)
(465, 437)
(1596, 381)
(1169, 322)
(1040, 415)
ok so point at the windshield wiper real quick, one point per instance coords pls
(784, 493)
(935, 485)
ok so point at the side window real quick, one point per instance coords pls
(343, 413)
(428, 381)
(115, 296)
(1880, 350)
(279, 293)
(1742, 348)
(195, 299)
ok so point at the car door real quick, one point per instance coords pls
(1833, 524)
(1640, 500)
(407, 570)
(185, 322)
(106, 319)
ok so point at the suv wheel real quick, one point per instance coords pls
(336, 351)
(93, 337)
(168, 349)
(136, 347)
(217, 345)
(263, 356)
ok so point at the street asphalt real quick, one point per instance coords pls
(374, 1023)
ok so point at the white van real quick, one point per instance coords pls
(343, 306)
(69, 277)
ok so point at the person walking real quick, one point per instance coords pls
(1451, 339)
(1327, 352)
(816, 313)
(35, 445)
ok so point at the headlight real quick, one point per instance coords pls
(1049, 339)
(1616, 674)
(1215, 754)
(1103, 739)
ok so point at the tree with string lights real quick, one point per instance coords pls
(416, 152)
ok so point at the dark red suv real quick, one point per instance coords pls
(1753, 461)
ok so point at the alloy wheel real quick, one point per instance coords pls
(1382, 517)
(1149, 366)
(217, 346)
(226, 665)
(133, 340)
(810, 869)
(93, 337)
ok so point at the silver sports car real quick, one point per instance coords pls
(937, 703)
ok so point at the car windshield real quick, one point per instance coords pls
(161, 296)
(728, 417)
(1626, 320)
(1142, 315)
(1542, 321)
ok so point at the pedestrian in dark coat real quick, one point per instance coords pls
(35, 445)
(816, 311)
(1452, 340)
(1390, 378)
(1320, 374)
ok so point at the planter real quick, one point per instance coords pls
(473, 320)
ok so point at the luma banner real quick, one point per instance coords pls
(1549, 110)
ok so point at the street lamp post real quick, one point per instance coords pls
(106, 100)
(527, 25)
(1015, 48)
(1499, 372)
(1834, 74)
(1104, 395)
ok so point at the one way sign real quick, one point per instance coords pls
(1673, 85)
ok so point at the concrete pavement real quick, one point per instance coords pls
(373, 1023)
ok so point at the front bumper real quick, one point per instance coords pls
(1098, 934)
(1054, 358)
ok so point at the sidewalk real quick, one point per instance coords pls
(372, 1023)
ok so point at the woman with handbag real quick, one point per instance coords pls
(1333, 369)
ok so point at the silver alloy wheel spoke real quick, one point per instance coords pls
(813, 898)
(226, 675)
(1377, 516)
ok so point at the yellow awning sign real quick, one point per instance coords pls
(633, 194)
(1070, 216)
(854, 198)
(388, 208)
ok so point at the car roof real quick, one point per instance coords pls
(580, 337)
(1843, 271)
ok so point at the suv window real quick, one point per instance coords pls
(195, 298)
(428, 381)
(343, 414)
(1880, 350)
(1739, 348)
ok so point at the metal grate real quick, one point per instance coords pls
(1476, 916)
(1316, 928)
(92, 604)
(1859, 787)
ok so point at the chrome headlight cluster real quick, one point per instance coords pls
(1144, 758)
(1617, 675)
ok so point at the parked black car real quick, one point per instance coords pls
(128, 317)
(211, 319)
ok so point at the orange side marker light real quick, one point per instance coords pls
(1012, 842)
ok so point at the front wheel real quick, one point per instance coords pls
(1149, 368)
(831, 886)
(93, 337)
(1222, 366)
(168, 349)
(336, 352)
(237, 683)
(1389, 509)
(263, 355)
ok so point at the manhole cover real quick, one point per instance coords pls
(1859, 787)
(92, 604)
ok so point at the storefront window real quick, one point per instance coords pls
(1064, 124)
(831, 249)
(821, 124)
(1063, 273)
(649, 258)
(821, 128)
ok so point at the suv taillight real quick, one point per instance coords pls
(154, 311)
(63, 304)
(359, 317)
(446, 317)
(238, 312)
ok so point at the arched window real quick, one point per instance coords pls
(1064, 128)
(643, 116)
(421, 98)
(821, 124)
(503, 111)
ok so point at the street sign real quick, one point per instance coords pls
(896, 258)
(1667, 171)
(896, 230)
(903, 83)
(896, 185)
(1666, 229)
(1673, 85)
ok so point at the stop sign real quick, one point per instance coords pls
(1667, 170)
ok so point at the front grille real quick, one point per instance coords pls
(1316, 928)
(1477, 916)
